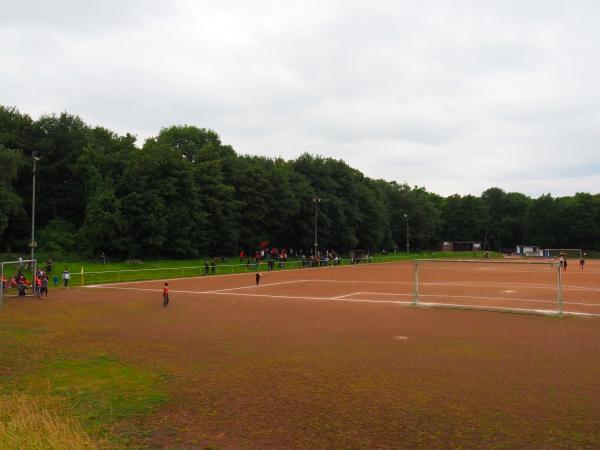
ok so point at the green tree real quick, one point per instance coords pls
(463, 218)
(187, 140)
(541, 227)
(11, 162)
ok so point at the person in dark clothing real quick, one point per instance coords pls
(45, 285)
(258, 275)
(49, 266)
(165, 295)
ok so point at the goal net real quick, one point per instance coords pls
(17, 279)
(564, 252)
(526, 286)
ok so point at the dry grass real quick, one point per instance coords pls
(26, 424)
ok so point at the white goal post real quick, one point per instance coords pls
(517, 285)
(11, 283)
(558, 252)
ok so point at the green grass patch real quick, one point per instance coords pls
(97, 273)
(27, 424)
(95, 394)
(100, 390)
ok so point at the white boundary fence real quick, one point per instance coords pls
(124, 275)
(110, 276)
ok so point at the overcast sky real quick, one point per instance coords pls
(456, 96)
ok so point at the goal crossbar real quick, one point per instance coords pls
(546, 251)
(487, 261)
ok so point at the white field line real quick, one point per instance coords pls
(442, 283)
(448, 283)
(474, 297)
(215, 291)
(491, 308)
(248, 273)
(508, 298)
(551, 285)
(347, 295)
(402, 303)
(256, 295)
(256, 286)
(357, 281)
(334, 299)
(471, 297)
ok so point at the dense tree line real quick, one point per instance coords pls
(186, 194)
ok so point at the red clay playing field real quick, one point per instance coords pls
(518, 286)
(336, 358)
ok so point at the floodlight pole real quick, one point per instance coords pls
(316, 201)
(407, 241)
(36, 158)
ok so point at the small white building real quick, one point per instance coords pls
(529, 250)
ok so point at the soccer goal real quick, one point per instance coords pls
(564, 252)
(17, 278)
(518, 286)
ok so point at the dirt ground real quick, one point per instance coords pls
(334, 357)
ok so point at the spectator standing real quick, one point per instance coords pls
(38, 286)
(21, 283)
(45, 285)
(49, 266)
(66, 276)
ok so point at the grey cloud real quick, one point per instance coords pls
(454, 96)
(80, 17)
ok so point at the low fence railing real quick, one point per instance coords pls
(143, 274)
(129, 275)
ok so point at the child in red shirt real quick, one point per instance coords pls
(38, 286)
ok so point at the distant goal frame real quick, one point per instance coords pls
(546, 252)
(416, 302)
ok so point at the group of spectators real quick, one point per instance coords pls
(327, 258)
(279, 256)
(272, 255)
(210, 266)
(39, 283)
(19, 282)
